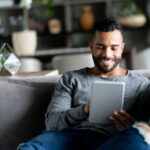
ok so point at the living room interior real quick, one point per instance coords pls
(62, 29)
(59, 43)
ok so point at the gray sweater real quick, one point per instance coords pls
(74, 90)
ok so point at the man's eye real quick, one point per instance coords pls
(100, 47)
(114, 47)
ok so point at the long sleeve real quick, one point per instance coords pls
(63, 111)
(74, 90)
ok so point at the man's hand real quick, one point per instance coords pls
(87, 108)
(122, 119)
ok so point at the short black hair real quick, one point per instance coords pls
(106, 25)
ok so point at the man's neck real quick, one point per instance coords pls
(114, 73)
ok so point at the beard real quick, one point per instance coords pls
(103, 68)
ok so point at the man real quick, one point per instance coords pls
(67, 125)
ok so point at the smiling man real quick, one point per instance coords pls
(66, 119)
(107, 49)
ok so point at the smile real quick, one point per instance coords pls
(106, 62)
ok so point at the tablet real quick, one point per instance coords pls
(106, 97)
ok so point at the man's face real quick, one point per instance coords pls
(107, 48)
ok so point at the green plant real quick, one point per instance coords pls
(4, 53)
(9, 63)
(26, 5)
(128, 7)
(49, 8)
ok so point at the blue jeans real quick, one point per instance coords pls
(128, 139)
(79, 139)
(73, 139)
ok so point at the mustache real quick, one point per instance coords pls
(105, 58)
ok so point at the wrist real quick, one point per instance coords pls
(86, 109)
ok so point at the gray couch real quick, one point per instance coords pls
(23, 103)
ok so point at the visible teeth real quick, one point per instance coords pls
(106, 60)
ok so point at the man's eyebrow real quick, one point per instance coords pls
(115, 45)
(100, 44)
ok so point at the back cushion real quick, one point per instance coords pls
(145, 72)
(22, 108)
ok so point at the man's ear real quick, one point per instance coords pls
(91, 45)
(123, 46)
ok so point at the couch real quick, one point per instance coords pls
(23, 103)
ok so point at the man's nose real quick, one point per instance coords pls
(107, 52)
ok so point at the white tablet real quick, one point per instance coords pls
(106, 97)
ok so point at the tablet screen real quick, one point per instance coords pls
(106, 97)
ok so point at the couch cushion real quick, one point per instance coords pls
(144, 72)
(22, 107)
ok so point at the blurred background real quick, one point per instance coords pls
(62, 27)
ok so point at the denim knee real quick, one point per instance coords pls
(48, 140)
(128, 139)
(40, 142)
(30, 146)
